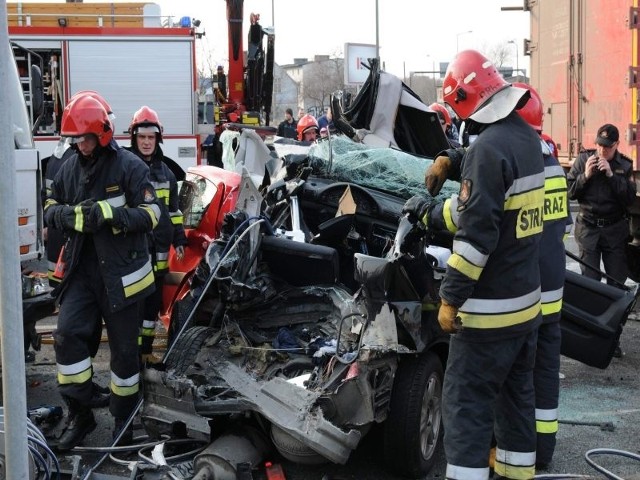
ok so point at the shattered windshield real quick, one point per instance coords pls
(385, 169)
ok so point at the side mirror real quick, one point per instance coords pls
(37, 91)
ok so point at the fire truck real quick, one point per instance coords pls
(124, 51)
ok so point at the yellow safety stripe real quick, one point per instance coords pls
(555, 183)
(107, 213)
(177, 219)
(79, 221)
(148, 332)
(515, 465)
(163, 194)
(161, 265)
(527, 199)
(450, 205)
(78, 372)
(464, 266)
(125, 386)
(543, 426)
(552, 307)
(499, 320)
(137, 281)
(153, 211)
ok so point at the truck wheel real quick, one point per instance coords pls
(186, 349)
(413, 430)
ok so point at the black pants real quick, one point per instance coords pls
(83, 306)
(607, 243)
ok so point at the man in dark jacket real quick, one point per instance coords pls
(146, 136)
(601, 180)
(104, 202)
(287, 127)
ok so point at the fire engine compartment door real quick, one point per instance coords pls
(133, 72)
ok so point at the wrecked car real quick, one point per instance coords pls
(313, 315)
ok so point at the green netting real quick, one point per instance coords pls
(385, 169)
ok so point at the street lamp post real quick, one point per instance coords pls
(517, 59)
(458, 39)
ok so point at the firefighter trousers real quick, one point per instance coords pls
(488, 387)
(83, 306)
(546, 378)
(151, 307)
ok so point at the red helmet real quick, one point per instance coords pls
(305, 123)
(146, 118)
(100, 98)
(436, 107)
(471, 80)
(532, 110)
(86, 115)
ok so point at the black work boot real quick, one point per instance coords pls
(80, 423)
(127, 436)
(100, 396)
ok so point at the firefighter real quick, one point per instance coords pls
(557, 225)
(104, 202)
(490, 295)
(56, 238)
(146, 137)
(308, 130)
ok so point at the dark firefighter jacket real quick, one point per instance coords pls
(600, 196)
(493, 274)
(170, 230)
(557, 225)
(122, 179)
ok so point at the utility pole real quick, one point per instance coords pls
(14, 388)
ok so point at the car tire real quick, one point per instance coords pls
(413, 429)
(186, 348)
(179, 315)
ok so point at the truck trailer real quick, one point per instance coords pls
(125, 52)
(585, 57)
(584, 63)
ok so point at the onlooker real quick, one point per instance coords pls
(301, 113)
(287, 127)
(326, 121)
(601, 180)
(308, 130)
(146, 137)
(104, 202)
(490, 295)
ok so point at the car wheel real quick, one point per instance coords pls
(186, 348)
(179, 315)
(413, 429)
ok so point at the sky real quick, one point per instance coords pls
(413, 35)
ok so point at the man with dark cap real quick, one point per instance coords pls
(602, 182)
(287, 127)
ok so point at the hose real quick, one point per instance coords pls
(608, 451)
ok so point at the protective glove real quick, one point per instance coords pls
(437, 173)
(101, 213)
(448, 317)
(72, 217)
(179, 252)
(418, 208)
